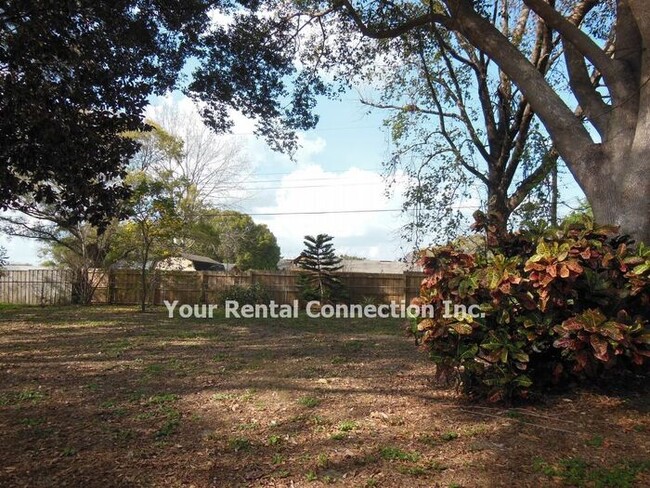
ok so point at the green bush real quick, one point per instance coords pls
(244, 295)
(569, 305)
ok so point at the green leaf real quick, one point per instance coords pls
(462, 328)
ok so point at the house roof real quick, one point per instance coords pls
(199, 259)
(361, 266)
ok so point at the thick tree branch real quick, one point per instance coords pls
(392, 32)
(592, 105)
(571, 33)
(572, 139)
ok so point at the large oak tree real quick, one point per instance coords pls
(270, 66)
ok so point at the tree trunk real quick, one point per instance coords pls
(618, 190)
(613, 174)
(498, 215)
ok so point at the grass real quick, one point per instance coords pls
(449, 436)
(309, 401)
(391, 453)
(239, 444)
(347, 426)
(578, 472)
(105, 392)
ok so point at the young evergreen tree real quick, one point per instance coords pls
(319, 262)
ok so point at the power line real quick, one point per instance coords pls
(329, 212)
(325, 212)
(333, 172)
(313, 186)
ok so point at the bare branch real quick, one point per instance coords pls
(525, 187)
(572, 139)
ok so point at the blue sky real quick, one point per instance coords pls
(337, 169)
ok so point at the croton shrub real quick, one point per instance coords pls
(562, 307)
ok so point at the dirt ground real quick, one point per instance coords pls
(107, 397)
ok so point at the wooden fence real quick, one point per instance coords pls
(121, 287)
(36, 287)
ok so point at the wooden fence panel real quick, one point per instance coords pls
(282, 286)
(123, 287)
(36, 287)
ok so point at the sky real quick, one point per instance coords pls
(337, 169)
(333, 185)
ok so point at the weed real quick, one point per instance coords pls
(248, 395)
(338, 436)
(281, 473)
(429, 440)
(322, 461)
(311, 476)
(395, 454)
(275, 440)
(32, 422)
(371, 483)
(513, 414)
(595, 441)
(122, 435)
(412, 470)
(436, 466)
(33, 396)
(309, 402)
(145, 415)
(449, 436)
(223, 396)
(239, 444)
(162, 399)
(248, 426)
(347, 425)
(319, 420)
(154, 368)
(68, 452)
(577, 472)
(168, 428)
(277, 459)
(353, 346)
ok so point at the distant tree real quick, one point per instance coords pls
(318, 263)
(154, 227)
(215, 166)
(349, 257)
(233, 237)
(83, 249)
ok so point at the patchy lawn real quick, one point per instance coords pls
(107, 397)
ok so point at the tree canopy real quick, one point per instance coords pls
(73, 77)
(273, 66)
(233, 237)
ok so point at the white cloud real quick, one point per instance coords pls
(312, 189)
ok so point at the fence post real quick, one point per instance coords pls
(203, 297)
(110, 298)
